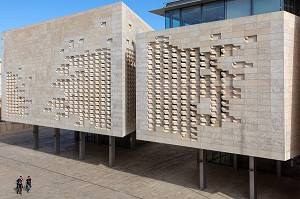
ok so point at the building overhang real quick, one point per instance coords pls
(173, 5)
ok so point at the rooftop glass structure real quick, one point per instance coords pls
(190, 12)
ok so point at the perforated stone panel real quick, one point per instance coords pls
(176, 99)
(87, 90)
(216, 86)
(75, 72)
(17, 103)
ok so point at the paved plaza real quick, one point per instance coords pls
(150, 171)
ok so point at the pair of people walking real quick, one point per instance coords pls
(20, 183)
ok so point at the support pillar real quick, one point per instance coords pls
(81, 145)
(112, 151)
(35, 137)
(76, 135)
(132, 140)
(202, 169)
(252, 178)
(278, 167)
(57, 140)
(235, 161)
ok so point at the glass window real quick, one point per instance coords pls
(175, 18)
(190, 16)
(238, 8)
(168, 20)
(297, 7)
(265, 6)
(213, 12)
(289, 6)
(172, 19)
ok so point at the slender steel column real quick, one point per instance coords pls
(252, 178)
(202, 169)
(35, 137)
(132, 140)
(278, 168)
(57, 140)
(81, 145)
(235, 161)
(112, 151)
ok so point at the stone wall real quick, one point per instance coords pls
(219, 86)
(291, 83)
(11, 127)
(74, 72)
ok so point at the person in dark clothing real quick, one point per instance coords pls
(19, 185)
(28, 184)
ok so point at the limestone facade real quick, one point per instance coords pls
(76, 72)
(230, 86)
(11, 128)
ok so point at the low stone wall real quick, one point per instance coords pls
(11, 127)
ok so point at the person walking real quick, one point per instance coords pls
(19, 185)
(28, 184)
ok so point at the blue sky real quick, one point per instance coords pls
(18, 13)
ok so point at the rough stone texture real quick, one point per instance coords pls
(291, 84)
(76, 72)
(11, 128)
(227, 86)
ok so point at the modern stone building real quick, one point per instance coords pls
(230, 85)
(225, 86)
(76, 72)
(223, 77)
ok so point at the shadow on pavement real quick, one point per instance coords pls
(171, 164)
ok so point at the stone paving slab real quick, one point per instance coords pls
(151, 171)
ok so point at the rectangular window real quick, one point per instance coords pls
(289, 6)
(175, 18)
(168, 20)
(190, 16)
(213, 11)
(297, 7)
(265, 6)
(238, 8)
(172, 19)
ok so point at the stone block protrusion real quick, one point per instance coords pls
(181, 79)
(76, 72)
(221, 86)
(82, 96)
